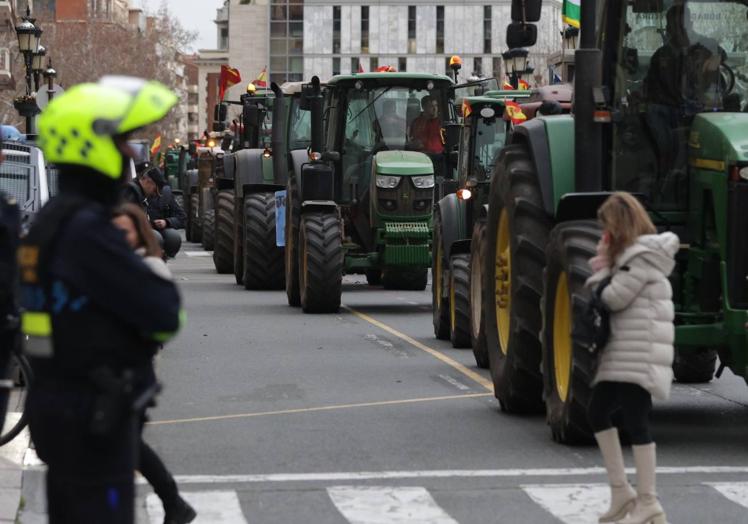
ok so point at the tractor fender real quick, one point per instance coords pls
(550, 143)
(249, 175)
(299, 157)
(453, 219)
(319, 205)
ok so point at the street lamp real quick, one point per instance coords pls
(29, 37)
(516, 64)
(49, 75)
(570, 36)
(37, 65)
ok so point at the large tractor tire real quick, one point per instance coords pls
(293, 218)
(263, 259)
(516, 235)
(568, 368)
(694, 367)
(459, 300)
(439, 302)
(477, 320)
(405, 279)
(209, 230)
(196, 231)
(223, 254)
(320, 262)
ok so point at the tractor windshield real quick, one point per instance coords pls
(490, 136)
(300, 131)
(671, 63)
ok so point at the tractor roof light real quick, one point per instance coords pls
(455, 62)
(315, 156)
(267, 153)
(464, 194)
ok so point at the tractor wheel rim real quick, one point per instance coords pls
(452, 308)
(561, 343)
(503, 281)
(475, 295)
(438, 274)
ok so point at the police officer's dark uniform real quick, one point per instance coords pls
(92, 308)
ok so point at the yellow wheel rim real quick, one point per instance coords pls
(562, 347)
(438, 274)
(452, 310)
(503, 284)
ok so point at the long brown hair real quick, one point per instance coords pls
(625, 219)
(146, 238)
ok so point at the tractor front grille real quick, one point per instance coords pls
(405, 200)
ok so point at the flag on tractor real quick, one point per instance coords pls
(386, 69)
(507, 85)
(262, 79)
(360, 68)
(156, 146)
(229, 77)
(523, 86)
(570, 12)
(514, 112)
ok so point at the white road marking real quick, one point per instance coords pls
(199, 253)
(571, 503)
(431, 474)
(735, 491)
(213, 507)
(454, 382)
(388, 505)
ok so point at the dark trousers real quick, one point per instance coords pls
(170, 241)
(634, 402)
(155, 472)
(90, 478)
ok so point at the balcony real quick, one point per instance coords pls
(6, 77)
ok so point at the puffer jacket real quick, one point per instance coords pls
(639, 297)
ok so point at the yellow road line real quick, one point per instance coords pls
(315, 409)
(476, 377)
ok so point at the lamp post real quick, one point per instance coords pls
(516, 64)
(37, 65)
(29, 37)
(570, 36)
(49, 75)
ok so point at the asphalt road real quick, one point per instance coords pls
(272, 416)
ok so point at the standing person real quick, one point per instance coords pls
(92, 307)
(635, 365)
(131, 220)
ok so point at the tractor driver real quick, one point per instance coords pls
(426, 129)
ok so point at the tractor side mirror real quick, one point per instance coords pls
(526, 10)
(219, 113)
(331, 156)
(521, 35)
(250, 115)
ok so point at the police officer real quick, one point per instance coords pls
(93, 311)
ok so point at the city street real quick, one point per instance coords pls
(270, 415)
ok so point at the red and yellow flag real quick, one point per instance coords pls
(514, 113)
(156, 146)
(523, 86)
(262, 79)
(507, 85)
(229, 77)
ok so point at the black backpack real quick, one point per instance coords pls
(591, 328)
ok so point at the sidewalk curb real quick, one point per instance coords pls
(11, 473)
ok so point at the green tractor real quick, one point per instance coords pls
(176, 162)
(459, 224)
(200, 185)
(247, 175)
(682, 151)
(363, 201)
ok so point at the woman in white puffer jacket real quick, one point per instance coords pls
(635, 364)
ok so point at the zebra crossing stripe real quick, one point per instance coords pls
(388, 505)
(734, 491)
(571, 503)
(213, 507)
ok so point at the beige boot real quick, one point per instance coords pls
(622, 495)
(647, 509)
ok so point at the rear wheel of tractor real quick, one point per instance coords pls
(196, 232)
(459, 300)
(405, 279)
(223, 254)
(320, 262)
(567, 368)
(263, 259)
(374, 277)
(477, 322)
(439, 301)
(209, 229)
(695, 367)
(293, 217)
(516, 235)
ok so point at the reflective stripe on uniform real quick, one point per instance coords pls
(36, 323)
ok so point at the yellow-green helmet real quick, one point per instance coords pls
(79, 126)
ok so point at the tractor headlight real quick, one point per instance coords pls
(388, 181)
(743, 173)
(423, 182)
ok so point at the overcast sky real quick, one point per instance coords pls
(196, 15)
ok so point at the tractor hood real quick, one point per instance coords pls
(403, 163)
(718, 140)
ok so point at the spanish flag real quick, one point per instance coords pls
(229, 77)
(262, 80)
(156, 146)
(507, 86)
(523, 86)
(514, 113)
